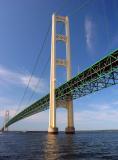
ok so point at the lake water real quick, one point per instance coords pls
(95, 145)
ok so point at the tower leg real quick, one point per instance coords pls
(61, 62)
(52, 119)
(52, 116)
(53, 130)
(70, 128)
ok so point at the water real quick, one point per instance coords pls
(42, 146)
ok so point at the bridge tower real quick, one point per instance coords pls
(6, 119)
(68, 104)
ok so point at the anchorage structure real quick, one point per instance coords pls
(68, 104)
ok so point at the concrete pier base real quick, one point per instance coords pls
(53, 130)
(70, 130)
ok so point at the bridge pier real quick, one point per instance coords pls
(53, 130)
(60, 62)
(70, 128)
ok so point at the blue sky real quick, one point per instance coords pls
(94, 33)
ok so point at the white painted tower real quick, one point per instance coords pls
(61, 62)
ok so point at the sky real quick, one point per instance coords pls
(93, 35)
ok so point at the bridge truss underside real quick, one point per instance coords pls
(101, 75)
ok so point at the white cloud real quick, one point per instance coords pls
(115, 103)
(39, 117)
(97, 117)
(101, 117)
(38, 121)
(89, 33)
(100, 107)
(41, 88)
(8, 76)
(15, 78)
(6, 101)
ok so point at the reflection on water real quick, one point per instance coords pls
(43, 146)
(56, 148)
(51, 147)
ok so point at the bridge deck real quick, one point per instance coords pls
(101, 75)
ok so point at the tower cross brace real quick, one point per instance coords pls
(68, 104)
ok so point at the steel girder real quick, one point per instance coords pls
(101, 75)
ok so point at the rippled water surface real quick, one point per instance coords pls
(42, 146)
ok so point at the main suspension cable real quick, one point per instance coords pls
(36, 63)
(34, 68)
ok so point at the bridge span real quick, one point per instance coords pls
(101, 75)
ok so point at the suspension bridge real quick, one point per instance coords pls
(100, 75)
